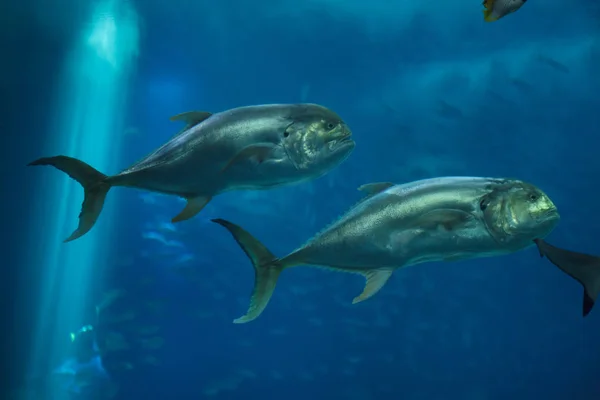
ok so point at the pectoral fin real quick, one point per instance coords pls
(257, 153)
(582, 267)
(447, 219)
(194, 206)
(373, 188)
(375, 280)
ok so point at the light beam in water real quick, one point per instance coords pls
(89, 126)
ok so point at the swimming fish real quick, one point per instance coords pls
(254, 147)
(496, 9)
(440, 219)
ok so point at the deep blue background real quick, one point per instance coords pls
(429, 90)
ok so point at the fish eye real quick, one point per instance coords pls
(533, 197)
(286, 134)
(483, 204)
(330, 125)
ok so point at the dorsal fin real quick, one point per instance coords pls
(371, 189)
(191, 119)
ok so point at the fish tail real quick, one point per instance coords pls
(584, 268)
(95, 186)
(267, 268)
(487, 12)
(488, 17)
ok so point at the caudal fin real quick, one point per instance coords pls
(94, 185)
(266, 270)
(488, 11)
(582, 267)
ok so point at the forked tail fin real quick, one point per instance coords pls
(582, 267)
(94, 184)
(266, 270)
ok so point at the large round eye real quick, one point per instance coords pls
(483, 204)
(330, 125)
(533, 197)
(286, 133)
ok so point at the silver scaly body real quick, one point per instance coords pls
(429, 220)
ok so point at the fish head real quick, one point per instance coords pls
(317, 140)
(518, 212)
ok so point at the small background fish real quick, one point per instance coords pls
(496, 9)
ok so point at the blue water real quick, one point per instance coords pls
(429, 90)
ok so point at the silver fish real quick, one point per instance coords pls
(254, 147)
(441, 219)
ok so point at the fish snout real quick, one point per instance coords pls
(339, 133)
(338, 137)
(547, 210)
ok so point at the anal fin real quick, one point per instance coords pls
(194, 206)
(375, 280)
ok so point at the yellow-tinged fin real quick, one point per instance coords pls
(255, 152)
(267, 268)
(488, 17)
(489, 8)
(375, 280)
(194, 206)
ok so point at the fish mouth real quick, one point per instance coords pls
(336, 143)
(550, 215)
(339, 139)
